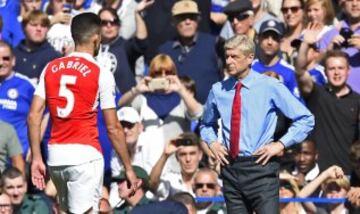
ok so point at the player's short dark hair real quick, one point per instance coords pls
(84, 26)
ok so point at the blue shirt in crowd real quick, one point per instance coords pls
(16, 94)
(261, 98)
(284, 70)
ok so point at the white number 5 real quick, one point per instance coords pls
(68, 94)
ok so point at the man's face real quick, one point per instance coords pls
(7, 62)
(205, 184)
(5, 204)
(31, 5)
(189, 158)
(36, 32)
(16, 189)
(131, 131)
(292, 12)
(110, 26)
(236, 62)
(305, 158)
(337, 71)
(124, 190)
(269, 43)
(241, 23)
(186, 25)
(352, 8)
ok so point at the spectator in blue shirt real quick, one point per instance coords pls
(16, 92)
(269, 59)
(250, 174)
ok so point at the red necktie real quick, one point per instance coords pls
(235, 122)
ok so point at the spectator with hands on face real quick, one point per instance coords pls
(335, 185)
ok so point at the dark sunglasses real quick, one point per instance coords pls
(208, 185)
(239, 17)
(293, 9)
(183, 17)
(114, 22)
(158, 73)
(6, 58)
(127, 125)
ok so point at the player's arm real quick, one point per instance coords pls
(34, 129)
(113, 126)
(34, 120)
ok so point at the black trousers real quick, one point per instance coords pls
(250, 187)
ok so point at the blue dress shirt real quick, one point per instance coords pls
(261, 98)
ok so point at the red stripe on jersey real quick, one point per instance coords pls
(71, 87)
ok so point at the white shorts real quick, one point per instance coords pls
(79, 186)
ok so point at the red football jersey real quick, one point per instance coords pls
(71, 86)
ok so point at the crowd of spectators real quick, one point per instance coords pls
(313, 49)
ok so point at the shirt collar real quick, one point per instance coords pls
(82, 54)
(331, 91)
(177, 42)
(247, 82)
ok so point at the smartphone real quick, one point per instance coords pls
(158, 84)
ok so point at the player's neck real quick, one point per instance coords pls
(85, 49)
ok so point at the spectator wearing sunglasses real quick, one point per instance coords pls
(240, 15)
(5, 204)
(268, 59)
(133, 127)
(167, 111)
(293, 14)
(195, 54)
(16, 92)
(117, 54)
(131, 201)
(206, 185)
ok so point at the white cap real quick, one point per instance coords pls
(128, 114)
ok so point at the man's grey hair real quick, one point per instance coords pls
(241, 42)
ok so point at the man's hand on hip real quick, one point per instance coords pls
(268, 151)
(219, 151)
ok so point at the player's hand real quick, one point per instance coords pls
(219, 151)
(133, 182)
(268, 151)
(38, 172)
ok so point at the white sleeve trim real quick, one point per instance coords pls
(107, 89)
